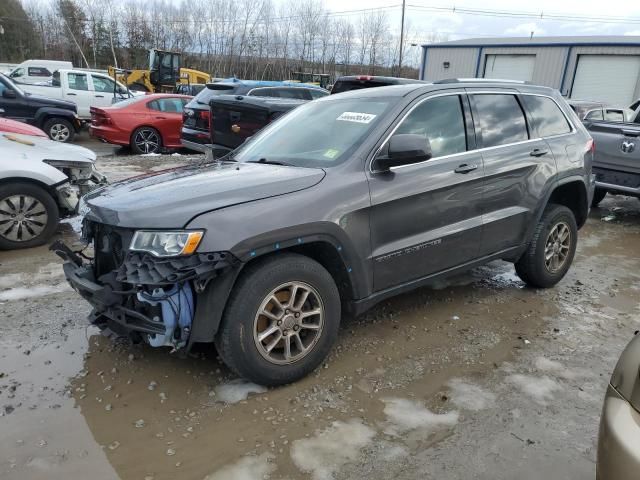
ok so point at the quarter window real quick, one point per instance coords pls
(614, 116)
(547, 115)
(501, 119)
(440, 120)
(594, 115)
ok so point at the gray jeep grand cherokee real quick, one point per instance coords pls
(339, 204)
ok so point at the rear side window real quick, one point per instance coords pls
(316, 93)
(501, 119)
(594, 115)
(547, 116)
(265, 92)
(440, 120)
(614, 116)
(39, 72)
(167, 105)
(217, 89)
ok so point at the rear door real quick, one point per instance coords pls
(77, 90)
(426, 217)
(167, 116)
(516, 165)
(102, 91)
(17, 108)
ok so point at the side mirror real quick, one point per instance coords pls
(403, 149)
(8, 93)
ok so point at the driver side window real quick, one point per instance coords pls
(441, 120)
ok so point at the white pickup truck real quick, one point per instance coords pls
(85, 89)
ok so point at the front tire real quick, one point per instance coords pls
(28, 216)
(59, 130)
(281, 320)
(551, 250)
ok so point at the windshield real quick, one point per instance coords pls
(10, 84)
(317, 134)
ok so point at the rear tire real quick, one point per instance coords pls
(28, 216)
(243, 340)
(59, 130)
(146, 140)
(551, 250)
(598, 196)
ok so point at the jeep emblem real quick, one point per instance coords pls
(627, 146)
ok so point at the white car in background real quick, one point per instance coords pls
(41, 181)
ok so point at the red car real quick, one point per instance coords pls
(13, 126)
(148, 123)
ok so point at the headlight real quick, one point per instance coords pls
(68, 164)
(166, 244)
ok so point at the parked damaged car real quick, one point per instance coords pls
(41, 182)
(337, 205)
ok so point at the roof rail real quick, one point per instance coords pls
(479, 80)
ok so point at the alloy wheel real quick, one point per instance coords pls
(22, 218)
(288, 323)
(59, 132)
(147, 140)
(557, 247)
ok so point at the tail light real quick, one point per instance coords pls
(365, 78)
(202, 120)
(591, 145)
(98, 118)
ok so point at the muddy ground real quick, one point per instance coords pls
(480, 378)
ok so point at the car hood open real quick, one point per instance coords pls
(171, 198)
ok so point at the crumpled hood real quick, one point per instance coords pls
(171, 198)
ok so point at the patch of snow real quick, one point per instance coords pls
(546, 365)
(176, 154)
(150, 155)
(247, 468)
(237, 390)
(405, 415)
(609, 218)
(324, 454)
(470, 396)
(21, 293)
(539, 388)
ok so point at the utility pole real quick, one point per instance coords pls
(401, 40)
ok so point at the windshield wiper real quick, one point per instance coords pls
(270, 162)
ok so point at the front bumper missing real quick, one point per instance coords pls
(114, 296)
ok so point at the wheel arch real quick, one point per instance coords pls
(572, 193)
(145, 125)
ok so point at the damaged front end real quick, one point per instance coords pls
(83, 177)
(161, 300)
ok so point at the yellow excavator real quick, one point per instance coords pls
(164, 74)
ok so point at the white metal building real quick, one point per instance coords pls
(600, 68)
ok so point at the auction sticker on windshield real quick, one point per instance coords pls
(356, 117)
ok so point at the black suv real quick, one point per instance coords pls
(49, 114)
(196, 115)
(358, 82)
(337, 205)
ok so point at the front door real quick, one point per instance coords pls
(426, 217)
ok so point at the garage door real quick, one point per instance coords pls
(606, 78)
(510, 67)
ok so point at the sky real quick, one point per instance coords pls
(421, 23)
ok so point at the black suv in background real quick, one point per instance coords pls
(196, 116)
(357, 82)
(48, 114)
(339, 204)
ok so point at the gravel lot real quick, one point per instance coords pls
(480, 378)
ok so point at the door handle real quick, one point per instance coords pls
(466, 168)
(72, 94)
(161, 118)
(538, 152)
(99, 96)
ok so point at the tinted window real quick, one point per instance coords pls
(102, 84)
(501, 119)
(440, 120)
(265, 92)
(168, 105)
(217, 89)
(39, 72)
(17, 73)
(614, 116)
(318, 93)
(297, 93)
(77, 81)
(547, 115)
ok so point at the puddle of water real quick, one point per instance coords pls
(247, 468)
